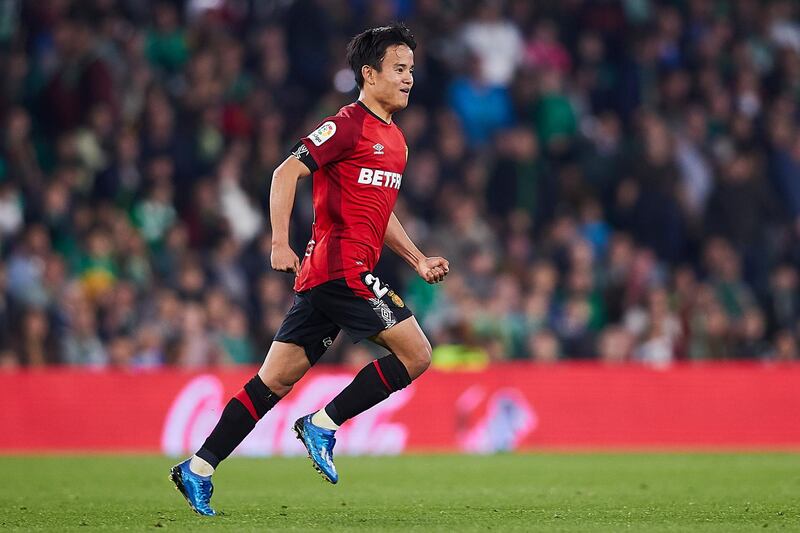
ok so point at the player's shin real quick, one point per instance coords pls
(238, 419)
(373, 384)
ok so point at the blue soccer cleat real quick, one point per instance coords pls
(319, 442)
(196, 489)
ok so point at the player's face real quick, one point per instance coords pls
(392, 84)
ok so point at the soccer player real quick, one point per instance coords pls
(357, 159)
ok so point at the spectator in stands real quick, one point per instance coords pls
(785, 346)
(544, 347)
(25, 267)
(655, 327)
(783, 300)
(34, 342)
(751, 343)
(615, 345)
(482, 108)
(495, 41)
(82, 345)
(234, 340)
(81, 78)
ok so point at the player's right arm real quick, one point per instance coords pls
(333, 140)
(281, 202)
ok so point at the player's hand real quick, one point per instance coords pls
(283, 259)
(433, 269)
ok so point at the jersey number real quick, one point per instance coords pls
(310, 247)
(375, 284)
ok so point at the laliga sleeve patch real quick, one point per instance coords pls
(323, 133)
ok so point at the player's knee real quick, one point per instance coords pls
(425, 356)
(418, 358)
(281, 388)
(284, 366)
(280, 384)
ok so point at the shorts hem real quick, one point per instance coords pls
(359, 338)
(305, 348)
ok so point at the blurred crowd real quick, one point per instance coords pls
(615, 180)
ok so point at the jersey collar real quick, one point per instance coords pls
(368, 110)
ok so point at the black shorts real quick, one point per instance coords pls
(363, 308)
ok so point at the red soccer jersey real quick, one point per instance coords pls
(357, 161)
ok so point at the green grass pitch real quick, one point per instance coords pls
(526, 492)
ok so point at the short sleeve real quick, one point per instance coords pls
(333, 140)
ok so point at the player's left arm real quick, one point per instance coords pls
(431, 269)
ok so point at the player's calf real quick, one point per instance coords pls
(373, 384)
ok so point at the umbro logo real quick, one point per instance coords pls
(378, 149)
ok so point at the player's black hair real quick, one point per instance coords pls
(369, 47)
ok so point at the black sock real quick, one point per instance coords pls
(373, 384)
(237, 421)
